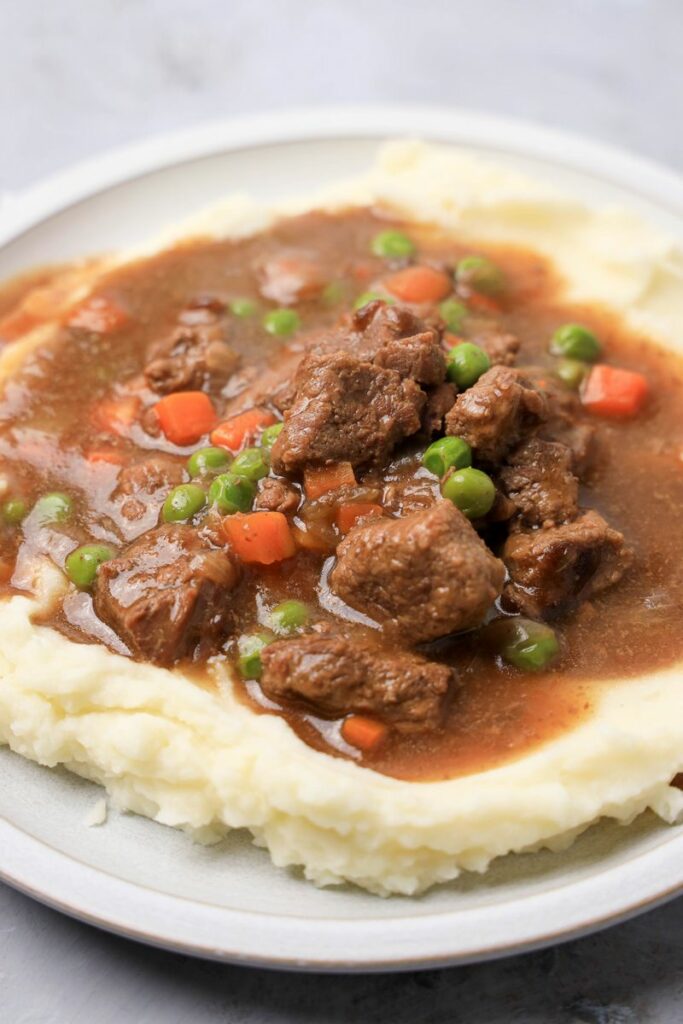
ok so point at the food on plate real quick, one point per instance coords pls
(359, 525)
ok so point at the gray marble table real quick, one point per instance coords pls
(77, 77)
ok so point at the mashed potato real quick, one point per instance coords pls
(200, 760)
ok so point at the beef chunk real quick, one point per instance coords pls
(496, 412)
(394, 338)
(142, 486)
(538, 478)
(346, 410)
(276, 495)
(440, 401)
(566, 421)
(422, 577)
(194, 355)
(553, 568)
(500, 346)
(168, 596)
(335, 676)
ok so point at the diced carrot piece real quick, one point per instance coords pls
(262, 538)
(233, 433)
(349, 514)
(613, 392)
(364, 733)
(109, 455)
(116, 415)
(319, 480)
(15, 324)
(419, 284)
(185, 416)
(98, 314)
(481, 303)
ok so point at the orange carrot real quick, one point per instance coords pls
(185, 416)
(15, 324)
(349, 514)
(98, 314)
(419, 284)
(319, 480)
(116, 415)
(613, 392)
(482, 303)
(262, 538)
(364, 733)
(233, 433)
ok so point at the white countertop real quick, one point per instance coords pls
(76, 78)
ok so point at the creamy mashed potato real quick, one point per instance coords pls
(202, 761)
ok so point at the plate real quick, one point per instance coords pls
(227, 902)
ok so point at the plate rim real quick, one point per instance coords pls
(324, 944)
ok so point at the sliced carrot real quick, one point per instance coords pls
(364, 733)
(17, 323)
(116, 415)
(233, 433)
(109, 455)
(613, 392)
(262, 538)
(349, 514)
(482, 303)
(98, 314)
(319, 480)
(419, 284)
(185, 416)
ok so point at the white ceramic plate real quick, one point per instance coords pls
(147, 882)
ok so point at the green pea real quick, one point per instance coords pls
(392, 245)
(183, 502)
(252, 464)
(82, 564)
(575, 342)
(572, 372)
(453, 314)
(232, 493)
(14, 511)
(55, 507)
(470, 490)
(447, 453)
(281, 322)
(465, 364)
(480, 273)
(207, 460)
(270, 435)
(289, 616)
(242, 307)
(367, 297)
(528, 645)
(250, 647)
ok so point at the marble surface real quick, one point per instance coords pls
(76, 78)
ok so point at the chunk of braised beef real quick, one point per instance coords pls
(142, 487)
(276, 495)
(440, 401)
(168, 595)
(552, 569)
(421, 577)
(500, 346)
(346, 410)
(566, 421)
(394, 338)
(336, 676)
(538, 478)
(497, 412)
(194, 355)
